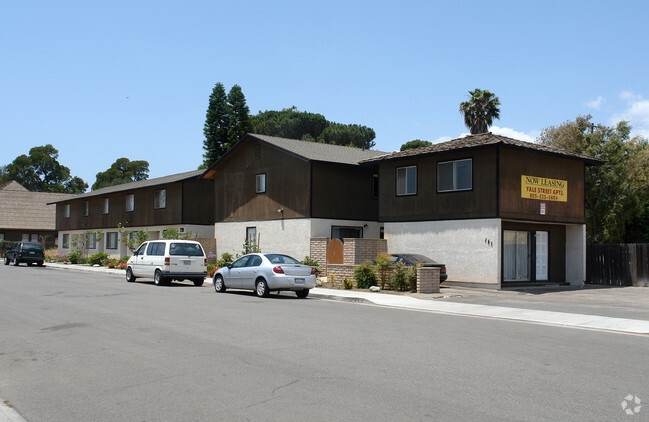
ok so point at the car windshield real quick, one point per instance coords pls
(186, 249)
(281, 259)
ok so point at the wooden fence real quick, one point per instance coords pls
(618, 265)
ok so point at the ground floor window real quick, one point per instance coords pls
(25, 237)
(92, 240)
(524, 251)
(66, 241)
(338, 232)
(111, 240)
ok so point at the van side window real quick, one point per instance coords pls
(156, 249)
(141, 249)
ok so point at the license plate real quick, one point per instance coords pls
(299, 281)
(187, 262)
(32, 253)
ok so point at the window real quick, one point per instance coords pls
(346, 232)
(160, 199)
(251, 236)
(92, 240)
(406, 180)
(111, 240)
(130, 203)
(375, 185)
(254, 261)
(185, 249)
(34, 238)
(455, 175)
(105, 206)
(66, 241)
(156, 249)
(2, 236)
(25, 237)
(85, 208)
(66, 211)
(260, 183)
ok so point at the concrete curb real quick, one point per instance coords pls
(8, 413)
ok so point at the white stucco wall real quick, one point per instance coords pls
(576, 254)
(287, 236)
(471, 249)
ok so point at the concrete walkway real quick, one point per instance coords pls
(433, 303)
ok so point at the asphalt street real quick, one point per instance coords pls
(82, 346)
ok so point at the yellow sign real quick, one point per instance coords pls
(544, 189)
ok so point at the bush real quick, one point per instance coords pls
(312, 263)
(226, 259)
(411, 277)
(73, 257)
(365, 276)
(383, 262)
(99, 258)
(399, 277)
(348, 285)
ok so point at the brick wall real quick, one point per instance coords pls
(428, 280)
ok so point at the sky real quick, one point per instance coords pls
(101, 80)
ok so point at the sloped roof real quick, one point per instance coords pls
(21, 209)
(310, 151)
(165, 180)
(482, 140)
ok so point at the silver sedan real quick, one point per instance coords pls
(265, 272)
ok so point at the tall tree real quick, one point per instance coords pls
(40, 171)
(351, 135)
(239, 116)
(416, 143)
(121, 171)
(227, 119)
(617, 192)
(480, 111)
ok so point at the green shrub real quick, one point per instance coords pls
(73, 257)
(383, 262)
(364, 275)
(312, 263)
(348, 285)
(399, 277)
(411, 277)
(99, 258)
(226, 259)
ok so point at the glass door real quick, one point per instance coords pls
(516, 255)
(541, 256)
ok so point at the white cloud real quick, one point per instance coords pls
(636, 112)
(511, 133)
(596, 103)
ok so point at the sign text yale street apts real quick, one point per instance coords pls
(545, 189)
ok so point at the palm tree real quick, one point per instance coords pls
(480, 110)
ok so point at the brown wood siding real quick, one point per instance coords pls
(198, 202)
(515, 163)
(287, 184)
(343, 192)
(143, 215)
(428, 204)
(556, 246)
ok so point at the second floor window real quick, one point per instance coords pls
(105, 206)
(455, 175)
(130, 203)
(85, 208)
(160, 199)
(260, 183)
(406, 180)
(66, 211)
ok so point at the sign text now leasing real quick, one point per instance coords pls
(544, 189)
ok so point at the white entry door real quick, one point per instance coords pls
(542, 256)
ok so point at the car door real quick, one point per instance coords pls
(233, 273)
(137, 265)
(250, 271)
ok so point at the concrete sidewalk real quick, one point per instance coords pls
(524, 311)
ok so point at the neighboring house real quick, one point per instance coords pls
(278, 193)
(497, 211)
(26, 216)
(183, 201)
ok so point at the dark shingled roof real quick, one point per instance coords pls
(141, 184)
(482, 140)
(21, 209)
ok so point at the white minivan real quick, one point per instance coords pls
(167, 260)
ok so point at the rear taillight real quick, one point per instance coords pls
(205, 262)
(312, 270)
(167, 261)
(278, 270)
(442, 270)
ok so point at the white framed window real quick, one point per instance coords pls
(85, 208)
(65, 241)
(406, 180)
(251, 236)
(2, 236)
(160, 199)
(340, 232)
(92, 241)
(130, 203)
(34, 238)
(455, 175)
(105, 205)
(25, 237)
(111, 240)
(66, 210)
(260, 183)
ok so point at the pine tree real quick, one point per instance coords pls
(217, 124)
(239, 115)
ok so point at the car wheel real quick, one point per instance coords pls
(129, 275)
(302, 293)
(219, 285)
(39, 263)
(16, 262)
(7, 260)
(158, 279)
(29, 264)
(198, 282)
(262, 288)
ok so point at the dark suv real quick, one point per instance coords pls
(26, 252)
